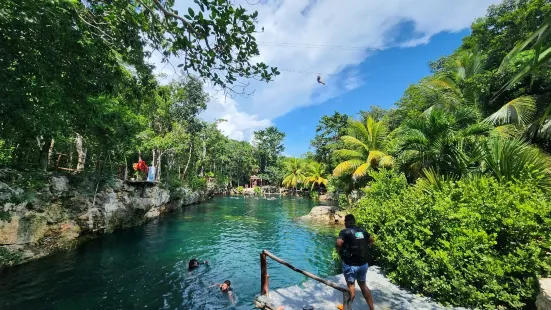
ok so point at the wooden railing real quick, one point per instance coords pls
(264, 285)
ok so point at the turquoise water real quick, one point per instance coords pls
(146, 266)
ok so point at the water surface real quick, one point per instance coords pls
(146, 266)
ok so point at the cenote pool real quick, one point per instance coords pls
(146, 266)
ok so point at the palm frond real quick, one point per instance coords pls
(507, 130)
(540, 35)
(478, 129)
(443, 83)
(518, 111)
(513, 159)
(358, 129)
(386, 161)
(361, 171)
(352, 141)
(347, 166)
(348, 154)
(374, 157)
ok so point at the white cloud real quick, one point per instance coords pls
(237, 125)
(303, 35)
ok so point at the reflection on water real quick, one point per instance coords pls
(147, 266)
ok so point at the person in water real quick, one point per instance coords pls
(352, 245)
(226, 289)
(194, 263)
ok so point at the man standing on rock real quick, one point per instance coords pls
(352, 246)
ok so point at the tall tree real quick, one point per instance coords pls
(327, 139)
(364, 149)
(269, 145)
(445, 141)
(294, 173)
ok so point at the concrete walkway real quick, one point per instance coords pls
(386, 295)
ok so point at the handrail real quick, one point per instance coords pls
(347, 302)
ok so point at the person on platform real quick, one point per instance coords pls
(352, 245)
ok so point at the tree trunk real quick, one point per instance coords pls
(188, 160)
(203, 160)
(81, 153)
(125, 169)
(158, 167)
(70, 163)
(50, 152)
(44, 149)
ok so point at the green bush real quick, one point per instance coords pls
(257, 190)
(240, 190)
(343, 201)
(475, 242)
(8, 258)
(198, 183)
(314, 195)
(5, 153)
(385, 184)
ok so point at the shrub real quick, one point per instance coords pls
(5, 153)
(257, 190)
(475, 242)
(314, 195)
(343, 201)
(198, 183)
(8, 258)
(385, 184)
(240, 190)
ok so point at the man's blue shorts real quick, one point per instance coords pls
(354, 273)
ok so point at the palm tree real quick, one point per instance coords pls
(540, 43)
(315, 174)
(542, 47)
(365, 145)
(515, 117)
(512, 159)
(446, 87)
(294, 173)
(447, 142)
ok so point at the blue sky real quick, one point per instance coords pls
(368, 52)
(387, 74)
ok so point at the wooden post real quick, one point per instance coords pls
(346, 301)
(264, 285)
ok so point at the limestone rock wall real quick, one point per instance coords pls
(59, 211)
(544, 298)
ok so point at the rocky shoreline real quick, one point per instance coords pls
(330, 215)
(58, 212)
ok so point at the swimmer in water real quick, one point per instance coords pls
(194, 263)
(225, 288)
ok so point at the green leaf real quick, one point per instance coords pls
(191, 13)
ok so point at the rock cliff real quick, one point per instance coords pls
(41, 215)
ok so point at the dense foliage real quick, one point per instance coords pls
(463, 215)
(475, 242)
(79, 95)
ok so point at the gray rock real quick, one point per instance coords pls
(5, 192)
(60, 212)
(543, 302)
(153, 213)
(325, 214)
(60, 184)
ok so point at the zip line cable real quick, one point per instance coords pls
(312, 46)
